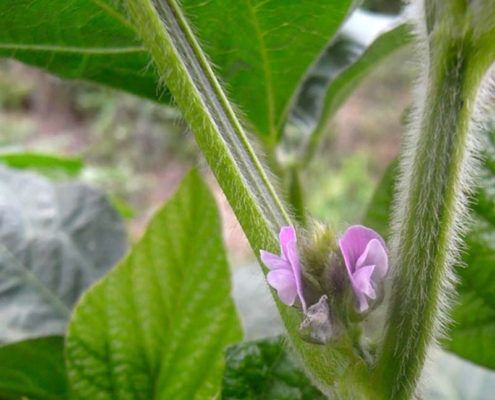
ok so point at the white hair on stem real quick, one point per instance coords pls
(437, 171)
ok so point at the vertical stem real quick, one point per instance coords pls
(186, 70)
(429, 205)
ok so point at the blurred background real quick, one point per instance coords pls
(138, 151)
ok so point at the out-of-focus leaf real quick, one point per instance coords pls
(33, 369)
(261, 48)
(473, 315)
(79, 39)
(55, 240)
(452, 378)
(265, 370)
(155, 327)
(122, 207)
(378, 214)
(43, 162)
(363, 42)
(473, 330)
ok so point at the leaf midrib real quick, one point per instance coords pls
(266, 67)
(67, 49)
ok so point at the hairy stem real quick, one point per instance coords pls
(435, 172)
(184, 67)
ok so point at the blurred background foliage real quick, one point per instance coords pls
(138, 151)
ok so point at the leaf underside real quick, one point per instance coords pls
(56, 239)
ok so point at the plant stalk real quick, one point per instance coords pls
(430, 200)
(189, 77)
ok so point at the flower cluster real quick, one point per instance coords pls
(364, 254)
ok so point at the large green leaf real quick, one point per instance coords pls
(33, 369)
(155, 327)
(261, 48)
(56, 239)
(78, 39)
(265, 370)
(473, 317)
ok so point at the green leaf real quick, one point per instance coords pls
(33, 368)
(56, 239)
(261, 48)
(80, 39)
(40, 162)
(265, 370)
(378, 214)
(473, 327)
(473, 316)
(155, 327)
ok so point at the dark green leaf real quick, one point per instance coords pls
(43, 162)
(79, 39)
(473, 327)
(261, 48)
(55, 240)
(33, 369)
(155, 327)
(265, 370)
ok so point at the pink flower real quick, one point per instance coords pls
(366, 259)
(285, 270)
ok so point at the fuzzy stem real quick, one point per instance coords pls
(430, 199)
(189, 77)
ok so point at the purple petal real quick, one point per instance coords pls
(362, 281)
(363, 302)
(284, 283)
(354, 243)
(296, 268)
(366, 259)
(274, 262)
(374, 254)
(287, 235)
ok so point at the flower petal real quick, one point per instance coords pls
(362, 281)
(273, 262)
(296, 269)
(284, 283)
(374, 254)
(354, 242)
(287, 234)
